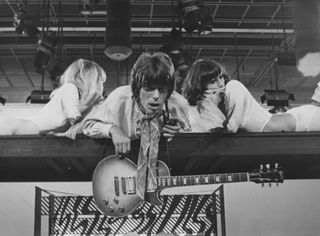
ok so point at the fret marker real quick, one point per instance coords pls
(218, 179)
(229, 178)
(174, 181)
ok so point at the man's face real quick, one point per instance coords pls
(152, 100)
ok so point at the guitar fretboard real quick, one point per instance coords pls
(175, 181)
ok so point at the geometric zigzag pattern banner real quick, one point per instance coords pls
(180, 214)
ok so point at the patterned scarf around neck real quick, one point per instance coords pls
(149, 130)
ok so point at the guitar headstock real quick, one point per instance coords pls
(267, 175)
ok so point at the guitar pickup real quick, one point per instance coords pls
(123, 185)
(116, 186)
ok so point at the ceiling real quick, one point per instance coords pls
(244, 35)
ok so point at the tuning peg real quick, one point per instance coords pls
(268, 166)
(276, 165)
(261, 167)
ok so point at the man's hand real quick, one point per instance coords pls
(121, 142)
(169, 129)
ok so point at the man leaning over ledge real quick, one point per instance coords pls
(144, 106)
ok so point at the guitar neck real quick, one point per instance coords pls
(176, 181)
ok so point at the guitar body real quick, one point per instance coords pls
(114, 186)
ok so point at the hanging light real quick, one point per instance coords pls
(118, 30)
(278, 98)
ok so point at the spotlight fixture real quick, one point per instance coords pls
(278, 98)
(91, 4)
(194, 15)
(173, 43)
(45, 49)
(2, 100)
(26, 22)
(39, 96)
(118, 30)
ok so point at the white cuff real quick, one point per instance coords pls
(105, 130)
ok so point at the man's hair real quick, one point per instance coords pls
(201, 73)
(152, 71)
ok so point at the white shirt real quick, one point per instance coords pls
(247, 113)
(117, 109)
(62, 106)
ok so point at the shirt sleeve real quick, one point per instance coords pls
(99, 121)
(247, 113)
(178, 108)
(106, 114)
(70, 101)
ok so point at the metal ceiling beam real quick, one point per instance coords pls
(168, 2)
(164, 19)
(156, 29)
(6, 77)
(223, 55)
(22, 66)
(244, 15)
(243, 61)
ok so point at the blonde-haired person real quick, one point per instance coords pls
(81, 86)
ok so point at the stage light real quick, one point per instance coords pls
(39, 96)
(47, 42)
(25, 22)
(118, 30)
(45, 49)
(91, 4)
(173, 43)
(278, 98)
(194, 15)
(2, 99)
(285, 59)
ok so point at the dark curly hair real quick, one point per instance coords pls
(202, 72)
(152, 71)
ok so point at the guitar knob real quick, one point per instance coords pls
(105, 201)
(111, 209)
(121, 209)
(116, 201)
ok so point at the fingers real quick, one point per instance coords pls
(122, 146)
(170, 130)
(59, 134)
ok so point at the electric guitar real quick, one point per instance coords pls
(115, 186)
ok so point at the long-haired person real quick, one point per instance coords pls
(81, 86)
(217, 101)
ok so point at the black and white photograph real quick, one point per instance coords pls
(159, 117)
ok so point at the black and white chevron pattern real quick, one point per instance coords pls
(181, 214)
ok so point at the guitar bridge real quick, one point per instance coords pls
(131, 185)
